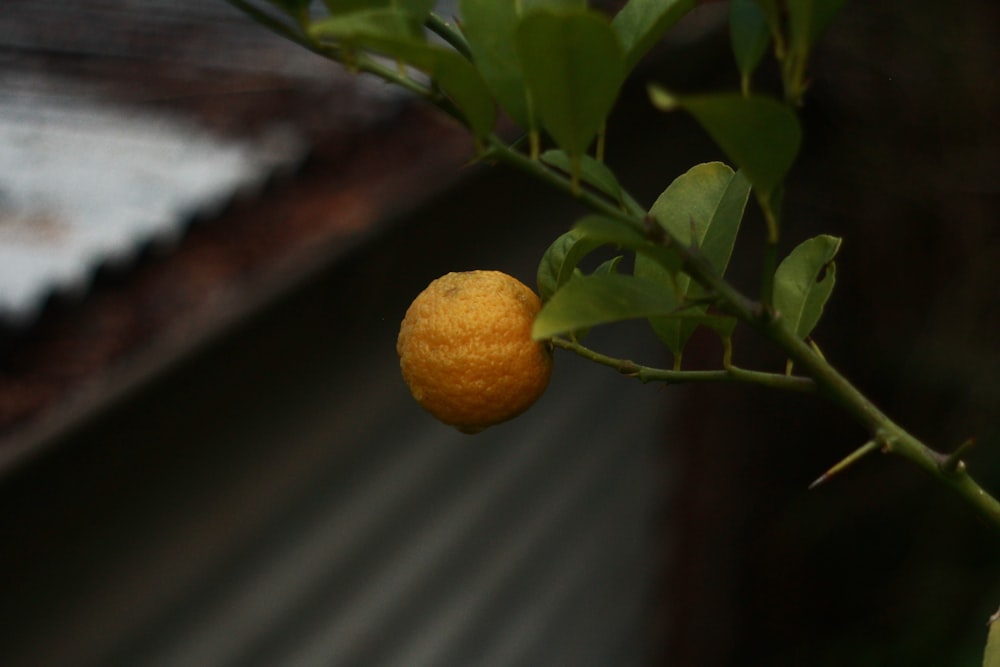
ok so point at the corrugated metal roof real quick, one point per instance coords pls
(101, 152)
(89, 184)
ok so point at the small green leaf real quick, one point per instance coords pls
(398, 34)
(559, 261)
(641, 23)
(749, 34)
(803, 283)
(608, 266)
(761, 135)
(573, 67)
(992, 656)
(703, 208)
(587, 301)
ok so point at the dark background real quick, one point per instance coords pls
(881, 566)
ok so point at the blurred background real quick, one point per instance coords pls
(207, 457)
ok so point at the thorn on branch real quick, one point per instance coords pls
(953, 464)
(846, 462)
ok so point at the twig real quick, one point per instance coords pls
(672, 376)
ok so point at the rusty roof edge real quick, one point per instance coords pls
(444, 148)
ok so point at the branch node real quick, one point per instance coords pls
(629, 368)
(654, 232)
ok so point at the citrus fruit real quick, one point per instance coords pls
(466, 352)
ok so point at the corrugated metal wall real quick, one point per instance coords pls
(280, 500)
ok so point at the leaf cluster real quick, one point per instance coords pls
(700, 214)
(555, 68)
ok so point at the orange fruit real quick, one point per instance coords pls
(466, 352)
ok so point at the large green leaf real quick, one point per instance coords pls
(749, 34)
(641, 23)
(703, 208)
(573, 67)
(761, 135)
(398, 34)
(803, 283)
(587, 301)
(490, 27)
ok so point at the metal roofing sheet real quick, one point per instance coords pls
(101, 150)
(91, 183)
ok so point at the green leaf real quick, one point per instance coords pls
(558, 262)
(593, 172)
(803, 283)
(490, 27)
(587, 301)
(772, 11)
(573, 67)
(703, 208)
(364, 27)
(591, 232)
(608, 231)
(992, 656)
(761, 135)
(723, 325)
(749, 34)
(337, 7)
(808, 20)
(420, 8)
(398, 34)
(461, 82)
(528, 6)
(641, 23)
(608, 266)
